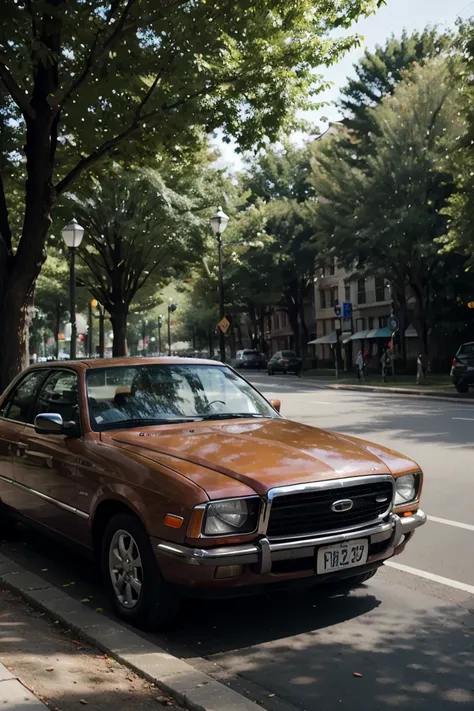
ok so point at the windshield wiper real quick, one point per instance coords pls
(230, 415)
(148, 422)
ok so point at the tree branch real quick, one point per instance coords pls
(5, 231)
(94, 157)
(18, 96)
(98, 50)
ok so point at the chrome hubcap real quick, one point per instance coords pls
(125, 568)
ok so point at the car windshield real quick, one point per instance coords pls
(467, 349)
(133, 396)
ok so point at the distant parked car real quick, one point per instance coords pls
(284, 362)
(250, 358)
(462, 368)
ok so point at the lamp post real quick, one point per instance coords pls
(95, 304)
(72, 235)
(171, 309)
(90, 344)
(160, 325)
(219, 223)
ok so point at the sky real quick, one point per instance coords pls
(393, 18)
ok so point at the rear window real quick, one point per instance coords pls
(288, 354)
(467, 349)
(250, 352)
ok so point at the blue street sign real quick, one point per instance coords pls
(393, 323)
(347, 310)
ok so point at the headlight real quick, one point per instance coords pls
(235, 516)
(406, 489)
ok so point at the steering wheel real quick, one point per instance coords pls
(220, 402)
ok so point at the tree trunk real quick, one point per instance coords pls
(118, 319)
(14, 334)
(292, 309)
(304, 331)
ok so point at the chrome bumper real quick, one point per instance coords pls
(264, 552)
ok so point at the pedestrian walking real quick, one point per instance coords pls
(360, 365)
(385, 363)
(420, 371)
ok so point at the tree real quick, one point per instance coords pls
(385, 213)
(139, 233)
(460, 161)
(377, 76)
(82, 81)
(279, 187)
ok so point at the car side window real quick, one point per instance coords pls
(60, 395)
(19, 405)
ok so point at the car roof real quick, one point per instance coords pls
(93, 363)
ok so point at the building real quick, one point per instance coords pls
(371, 306)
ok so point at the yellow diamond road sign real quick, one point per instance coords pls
(224, 325)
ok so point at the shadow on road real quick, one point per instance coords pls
(412, 651)
(417, 419)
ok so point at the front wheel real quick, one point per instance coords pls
(137, 591)
(462, 387)
(270, 372)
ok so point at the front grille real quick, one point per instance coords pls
(309, 512)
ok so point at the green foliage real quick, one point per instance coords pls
(139, 234)
(460, 160)
(384, 213)
(378, 74)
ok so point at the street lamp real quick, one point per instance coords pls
(171, 308)
(72, 235)
(219, 223)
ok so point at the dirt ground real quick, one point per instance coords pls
(66, 673)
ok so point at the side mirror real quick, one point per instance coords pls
(276, 404)
(53, 424)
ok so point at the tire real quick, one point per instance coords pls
(151, 606)
(270, 372)
(462, 387)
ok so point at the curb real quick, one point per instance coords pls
(13, 695)
(431, 394)
(193, 689)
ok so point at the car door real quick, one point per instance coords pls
(15, 414)
(46, 473)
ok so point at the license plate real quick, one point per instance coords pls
(342, 555)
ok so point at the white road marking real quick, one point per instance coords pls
(456, 524)
(431, 576)
(466, 419)
(321, 402)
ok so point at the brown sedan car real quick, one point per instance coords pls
(182, 478)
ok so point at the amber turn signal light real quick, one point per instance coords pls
(195, 523)
(173, 521)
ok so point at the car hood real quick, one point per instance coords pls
(260, 454)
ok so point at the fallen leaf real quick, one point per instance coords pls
(99, 609)
(50, 669)
(68, 585)
(44, 570)
(271, 695)
(83, 702)
(85, 599)
(357, 674)
(76, 641)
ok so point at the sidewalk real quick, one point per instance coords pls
(43, 666)
(434, 387)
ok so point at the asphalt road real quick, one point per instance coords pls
(408, 632)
